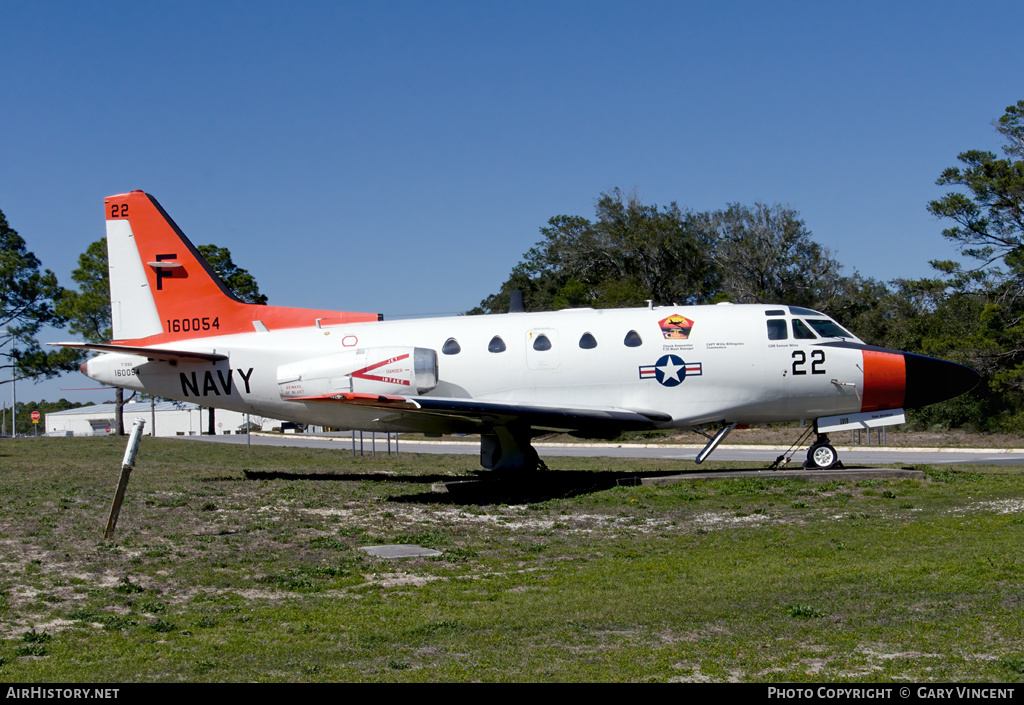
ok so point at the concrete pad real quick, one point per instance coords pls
(403, 550)
(796, 474)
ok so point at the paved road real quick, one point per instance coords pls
(850, 455)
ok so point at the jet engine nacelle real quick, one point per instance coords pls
(383, 370)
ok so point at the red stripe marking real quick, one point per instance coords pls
(885, 380)
(362, 374)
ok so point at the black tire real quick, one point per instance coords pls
(532, 459)
(822, 456)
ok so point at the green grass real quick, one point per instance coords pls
(233, 564)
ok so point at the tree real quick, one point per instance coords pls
(28, 297)
(630, 253)
(634, 252)
(988, 217)
(766, 255)
(990, 220)
(239, 281)
(662, 251)
(23, 413)
(88, 309)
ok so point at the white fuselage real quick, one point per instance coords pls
(724, 368)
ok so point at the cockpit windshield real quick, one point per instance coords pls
(801, 331)
(827, 328)
(801, 311)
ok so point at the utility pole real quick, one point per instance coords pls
(14, 396)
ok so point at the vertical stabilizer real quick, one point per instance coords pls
(133, 311)
(162, 290)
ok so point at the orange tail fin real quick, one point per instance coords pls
(162, 290)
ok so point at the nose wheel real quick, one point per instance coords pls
(822, 455)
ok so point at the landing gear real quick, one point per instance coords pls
(822, 455)
(508, 448)
(713, 441)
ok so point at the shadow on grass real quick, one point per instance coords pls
(526, 488)
(344, 477)
(484, 487)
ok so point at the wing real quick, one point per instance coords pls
(151, 353)
(476, 416)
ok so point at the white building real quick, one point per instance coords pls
(166, 417)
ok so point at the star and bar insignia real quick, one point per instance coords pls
(670, 370)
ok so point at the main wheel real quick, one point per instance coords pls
(822, 455)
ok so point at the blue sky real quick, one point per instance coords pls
(400, 157)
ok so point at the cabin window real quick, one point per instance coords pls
(451, 347)
(588, 342)
(541, 342)
(632, 340)
(496, 345)
(801, 331)
(777, 329)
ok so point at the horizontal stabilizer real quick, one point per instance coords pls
(151, 353)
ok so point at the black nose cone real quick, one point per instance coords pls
(930, 380)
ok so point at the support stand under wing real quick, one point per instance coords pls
(508, 448)
(713, 441)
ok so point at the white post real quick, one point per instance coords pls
(126, 470)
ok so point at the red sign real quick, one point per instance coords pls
(35, 416)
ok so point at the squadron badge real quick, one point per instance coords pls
(676, 327)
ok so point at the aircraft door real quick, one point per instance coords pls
(806, 367)
(780, 364)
